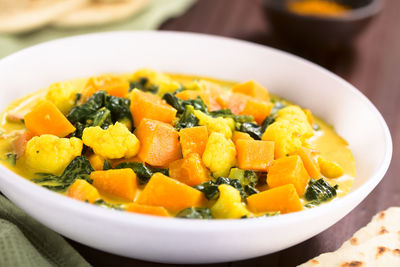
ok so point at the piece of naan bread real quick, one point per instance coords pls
(17, 16)
(377, 244)
(100, 12)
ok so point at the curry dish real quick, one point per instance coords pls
(176, 146)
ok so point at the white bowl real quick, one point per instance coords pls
(172, 240)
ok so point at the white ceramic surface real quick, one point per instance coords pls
(172, 240)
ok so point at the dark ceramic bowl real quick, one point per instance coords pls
(321, 30)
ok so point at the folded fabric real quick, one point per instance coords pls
(149, 18)
(26, 242)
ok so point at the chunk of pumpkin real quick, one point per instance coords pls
(150, 106)
(253, 89)
(310, 162)
(113, 85)
(193, 94)
(170, 194)
(255, 154)
(240, 136)
(229, 204)
(96, 161)
(145, 209)
(19, 144)
(82, 190)
(159, 142)
(190, 170)
(121, 183)
(46, 118)
(283, 198)
(241, 104)
(330, 169)
(193, 140)
(288, 170)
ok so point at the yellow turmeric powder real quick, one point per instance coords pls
(317, 8)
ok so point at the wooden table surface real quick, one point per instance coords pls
(372, 65)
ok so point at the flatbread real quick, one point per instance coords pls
(377, 244)
(24, 16)
(100, 12)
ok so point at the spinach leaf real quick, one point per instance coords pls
(173, 101)
(106, 165)
(227, 113)
(81, 112)
(101, 118)
(187, 119)
(195, 213)
(142, 171)
(319, 191)
(79, 168)
(246, 177)
(196, 104)
(272, 116)
(119, 107)
(143, 84)
(104, 204)
(253, 129)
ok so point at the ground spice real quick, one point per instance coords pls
(317, 8)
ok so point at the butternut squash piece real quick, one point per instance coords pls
(145, 209)
(19, 144)
(193, 140)
(159, 144)
(330, 169)
(82, 190)
(170, 194)
(147, 105)
(255, 154)
(240, 135)
(288, 170)
(113, 85)
(121, 183)
(46, 118)
(283, 198)
(310, 162)
(96, 161)
(193, 94)
(190, 170)
(245, 105)
(253, 89)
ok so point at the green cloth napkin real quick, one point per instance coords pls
(149, 18)
(26, 242)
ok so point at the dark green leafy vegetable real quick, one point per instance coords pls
(227, 113)
(272, 116)
(142, 171)
(106, 165)
(119, 107)
(253, 129)
(187, 119)
(79, 168)
(11, 158)
(82, 112)
(101, 118)
(104, 204)
(143, 84)
(246, 177)
(195, 213)
(319, 191)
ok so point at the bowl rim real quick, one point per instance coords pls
(369, 10)
(90, 211)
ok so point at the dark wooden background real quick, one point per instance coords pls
(372, 64)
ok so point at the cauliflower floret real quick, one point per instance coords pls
(219, 125)
(289, 131)
(219, 155)
(114, 143)
(229, 204)
(63, 95)
(51, 154)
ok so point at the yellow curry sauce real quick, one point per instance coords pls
(328, 145)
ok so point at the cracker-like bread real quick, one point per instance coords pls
(377, 244)
(100, 12)
(24, 16)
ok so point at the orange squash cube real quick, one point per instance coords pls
(288, 170)
(159, 142)
(253, 89)
(170, 194)
(82, 190)
(193, 140)
(193, 94)
(113, 85)
(121, 183)
(240, 135)
(150, 106)
(283, 198)
(190, 170)
(310, 162)
(96, 161)
(241, 104)
(46, 118)
(255, 154)
(145, 209)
